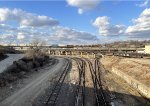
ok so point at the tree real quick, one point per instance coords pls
(37, 48)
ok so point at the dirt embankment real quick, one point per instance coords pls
(20, 68)
(109, 61)
(137, 68)
(124, 93)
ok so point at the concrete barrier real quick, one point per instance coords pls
(88, 56)
(143, 89)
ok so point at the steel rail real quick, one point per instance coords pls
(51, 101)
(94, 84)
(80, 92)
(96, 77)
(98, 73)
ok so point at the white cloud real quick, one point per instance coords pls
(4, 36)
(83, 5)
(4, 26)
(101, 21)
(141, 25)
(57, 35)
(143, 4)
(106, 29)
(80, 11)
(20, 36)
(26, 19)
(65, 35)
(36, 26)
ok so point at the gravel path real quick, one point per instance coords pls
(26, 95)
(9, 60)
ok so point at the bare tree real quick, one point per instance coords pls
(37, 48)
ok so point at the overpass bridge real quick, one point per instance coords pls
(75, 50)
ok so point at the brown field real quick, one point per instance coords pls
(138, 68)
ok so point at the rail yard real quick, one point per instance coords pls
(74, 53)
(76, 76)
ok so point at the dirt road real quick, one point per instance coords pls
(26, 95)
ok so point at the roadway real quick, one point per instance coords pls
(9, 61)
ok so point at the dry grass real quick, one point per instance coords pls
(37, 51)
(34, 53)
(109, 61)
(137, 68)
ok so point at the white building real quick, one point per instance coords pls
(147, 49)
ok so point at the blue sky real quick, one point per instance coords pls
(114, 21)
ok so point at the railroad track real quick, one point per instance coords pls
(52, 98)
(80, 91)
(97, 84)
(96, 78)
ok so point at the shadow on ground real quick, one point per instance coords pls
(68, 91)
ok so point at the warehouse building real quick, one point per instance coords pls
(147, 49)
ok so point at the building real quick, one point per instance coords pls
(140, 50)
(147, 49)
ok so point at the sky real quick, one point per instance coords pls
(74, 21)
